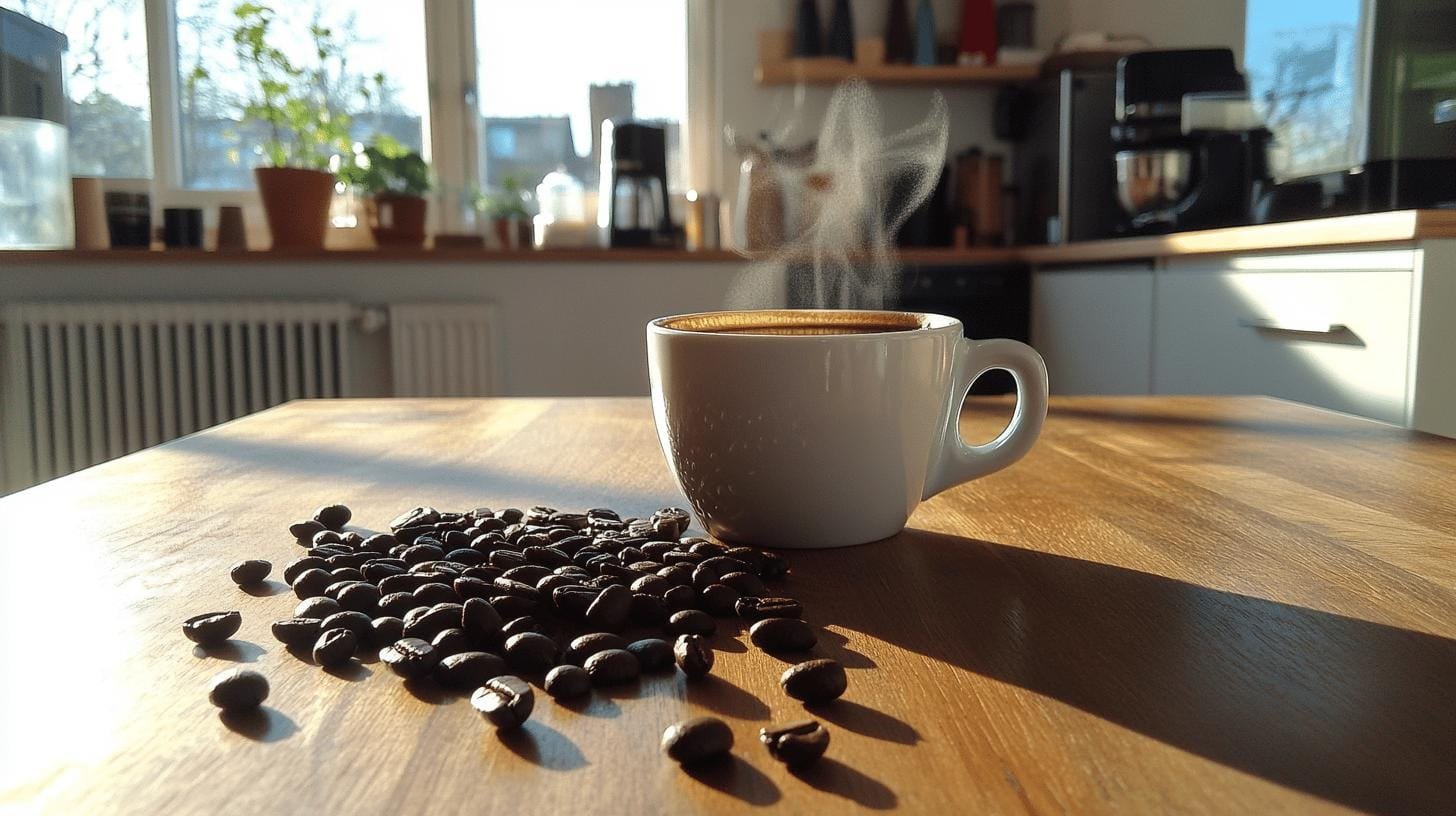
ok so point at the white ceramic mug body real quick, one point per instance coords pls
(827, 440)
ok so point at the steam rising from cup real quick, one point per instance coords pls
(858, 190)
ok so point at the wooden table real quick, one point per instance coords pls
(1172, 605)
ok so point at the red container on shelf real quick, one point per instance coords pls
(978, 32)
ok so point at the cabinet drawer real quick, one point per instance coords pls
(1095, 329)
(1337, 339)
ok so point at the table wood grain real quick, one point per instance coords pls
(1173, 605)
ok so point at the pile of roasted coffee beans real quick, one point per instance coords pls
(476, 601)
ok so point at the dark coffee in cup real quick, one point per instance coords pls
(796, 322)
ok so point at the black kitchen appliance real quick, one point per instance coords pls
(633, 203)
(1360, 96)
(1176, 170)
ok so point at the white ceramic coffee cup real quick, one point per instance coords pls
(781, 437)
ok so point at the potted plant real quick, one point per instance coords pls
(509, 217)
(396, 179)
(305, 133)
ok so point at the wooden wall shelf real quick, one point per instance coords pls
(827, 71)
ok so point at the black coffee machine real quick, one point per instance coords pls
(633, 203)
(1180, 168)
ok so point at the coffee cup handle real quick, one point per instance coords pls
(956, 462)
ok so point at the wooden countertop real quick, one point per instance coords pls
(1193, 605)
(1351, 231)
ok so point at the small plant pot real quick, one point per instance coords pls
(507, 232)
(296, 203)
(398, 220)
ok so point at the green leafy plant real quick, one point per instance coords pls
(304, 130)
(390, 168)
(507, 202)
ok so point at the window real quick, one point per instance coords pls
(551, 70)
(377, 79)
(106, 80)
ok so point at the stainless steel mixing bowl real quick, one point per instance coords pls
(1153, 179)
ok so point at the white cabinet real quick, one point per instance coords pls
(1094, 327)
(1331, 330)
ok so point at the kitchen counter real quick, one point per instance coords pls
(1202, 605)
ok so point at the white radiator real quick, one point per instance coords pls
(444, 349)
(86, 382)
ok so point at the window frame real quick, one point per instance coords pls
(451, 123)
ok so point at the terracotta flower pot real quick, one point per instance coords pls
(398, 220)
(296, 202)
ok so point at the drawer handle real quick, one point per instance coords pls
(1324, 332)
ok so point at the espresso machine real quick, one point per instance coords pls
(1188, 150)
(632, 207)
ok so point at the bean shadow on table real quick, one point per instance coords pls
(542, 745)
(1355, 712)
(262, 724)
(234, 650)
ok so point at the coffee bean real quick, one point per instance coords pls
(410, 658)
(487, 573)
(516, 589)
(379, 543)
(550, 557)
(351, 561)
(433, 593)
(414, 517)
(751, 607)
(351, 539)
(247, 573)
(297, 631)
(691, 622)
(406, 582)
(587, 645)
(510, 515)
(652, 585)
(647, 610)
(451, 642)
(304, 531)
(385, 630)
(814, 681)
(703, 546)
(782, 635)
(565, 682)
(212, 628)
(653, 654)
(573, 601)
(670, 522)
(466, 556)
(333, 590)
(505, 702)
(419, 553)
(679, 598)
(333, 516)
(326, 537)
(745, 582)
(795, 744)
(397, 604)
(511, 607)
(748, 555)
(694, 655)
(546, 586)
(360, 597)
(469, 670)
(506, 559)
(612, 667)
(530, 652)
(697, 741)
(433, 621)
(335, 647)
(320, 606)
(480, 620)
(774, 566)
(678, 576)
(297, 567)
(524, 623)
(238, 690)
(377, 570)
(526, 574)
(610, 609)
(719, 599)
(311, 583)
(356, 622)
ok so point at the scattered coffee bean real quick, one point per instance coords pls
(248, 573)
(434, 620)
(356, 622)
(410, 658)
(691, 622)
(719, 599)
(566, 681)
(432, 593)
(814, 681)
(782, 635)
(325, 538)
(480, 620)
(587, 645)
(796, 744)
(653, 654)
(511, 607)
(505, 702)
(212, 628)
(745, 582)
(694, 655)
(752, 607)
(333, 516)
(530, 652)
(311, 583)
(610, 609)
(397, 604)
(319, 606)
(697, 741)
(238, 690)
(417, 516)
(451, 642)
(469, 670)
(297, 631)
(647, 610)
(304, 531)
(385, 630)
(612, 667)
(298, 566)
(360, 597)
(335, 647)
(679, 598)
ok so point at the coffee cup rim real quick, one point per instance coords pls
(928, 322)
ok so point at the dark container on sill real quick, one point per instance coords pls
(129, 220)
(182, 227)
